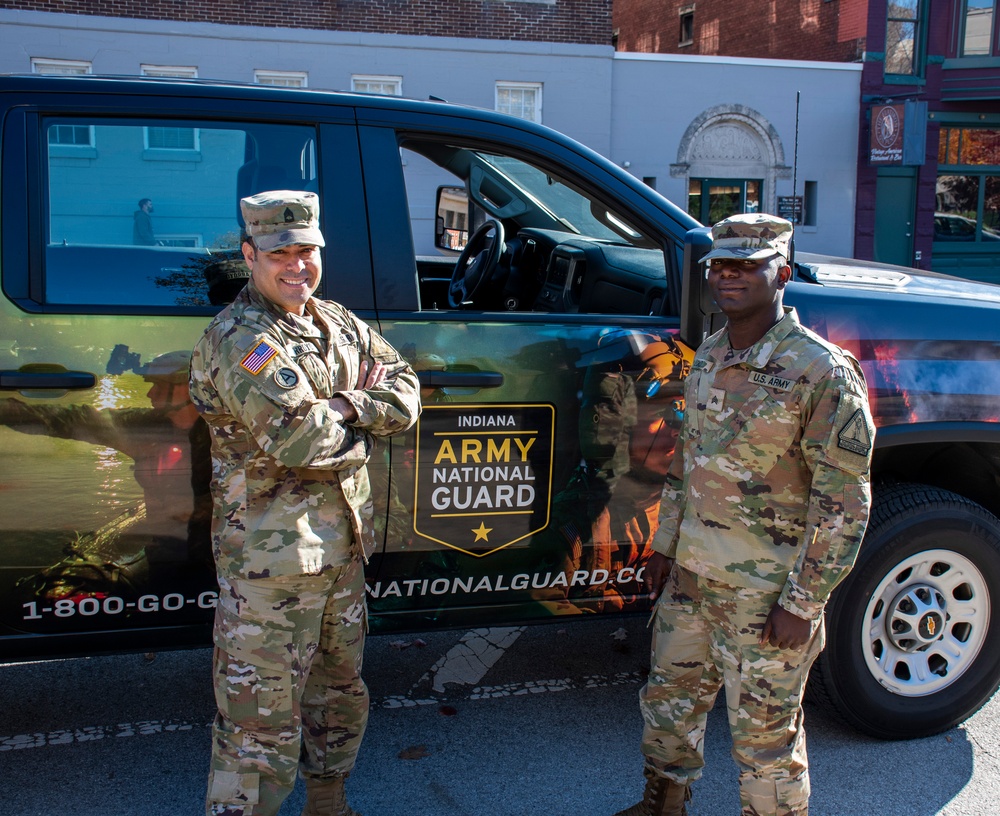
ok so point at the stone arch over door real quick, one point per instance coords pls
(733, 141)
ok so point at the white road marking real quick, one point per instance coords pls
(475, 654)
(465, 664)
(146, 728)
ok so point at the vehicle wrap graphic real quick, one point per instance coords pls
(483, 474)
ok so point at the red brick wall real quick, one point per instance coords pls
(826, 30)
(568, 21)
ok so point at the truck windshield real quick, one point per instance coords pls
(570, 207)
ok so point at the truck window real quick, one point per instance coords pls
(135, 211)
(497, 232)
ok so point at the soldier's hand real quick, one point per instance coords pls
(783, 630)
(372, 375)
(656, 573)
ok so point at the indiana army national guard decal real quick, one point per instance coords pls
(483, 474)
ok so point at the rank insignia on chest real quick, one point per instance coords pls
(716, 399)
(259, 357)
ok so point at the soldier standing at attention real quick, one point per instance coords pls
(763, 512)
(295, 391)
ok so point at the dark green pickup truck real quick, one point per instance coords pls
(551, 304)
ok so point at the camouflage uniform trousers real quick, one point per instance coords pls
(706, 636)
(288, 686)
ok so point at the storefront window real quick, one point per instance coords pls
(975, 146)
(967, 208)
(977, 33)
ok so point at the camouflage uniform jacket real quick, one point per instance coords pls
(287, 472)
(771, 490)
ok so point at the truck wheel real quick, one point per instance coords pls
(913, 642)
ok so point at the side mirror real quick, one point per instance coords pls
(697, 305)
(451, 224)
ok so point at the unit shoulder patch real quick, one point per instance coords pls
(855, 435)
(286, 378)
(851, 434)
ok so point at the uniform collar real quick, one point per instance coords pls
(257, 300)
(760, 353)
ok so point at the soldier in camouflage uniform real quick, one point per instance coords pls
(295, 391)
(762, 516)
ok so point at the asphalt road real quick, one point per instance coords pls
(495, 722)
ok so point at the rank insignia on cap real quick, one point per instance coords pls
(258, 358)
(855, 436)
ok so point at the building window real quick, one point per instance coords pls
(175, 71)
(902, 39)
(72, 136)
(967, 204)
(977, 28)
(810, 203)
(381, 85)
(520, 99)
(190, 240)
(686, 35)
(168, 138)
(59, 66)
(281, 79)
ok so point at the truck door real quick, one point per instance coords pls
(545, 338)
(120, 232)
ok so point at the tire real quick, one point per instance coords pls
(913, 639)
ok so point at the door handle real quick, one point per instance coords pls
(460, 379)
(60, 380)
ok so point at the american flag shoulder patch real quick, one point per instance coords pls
(258, 357)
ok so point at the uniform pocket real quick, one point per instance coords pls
(763, 432)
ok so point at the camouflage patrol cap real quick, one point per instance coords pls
(225, 278)
(171, 367)
(752, 236)
(280, 218)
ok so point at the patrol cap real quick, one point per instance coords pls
(752, 236)
(171, 367)
(225, 279)
(280, 218)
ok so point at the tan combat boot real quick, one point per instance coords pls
(662, 797)
(326, 797)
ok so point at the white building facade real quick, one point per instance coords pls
(712, 134)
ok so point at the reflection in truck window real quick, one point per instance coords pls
(185, 182)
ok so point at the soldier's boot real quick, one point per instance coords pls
(662, 797)
(327, 797)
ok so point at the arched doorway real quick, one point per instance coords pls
(732, 158)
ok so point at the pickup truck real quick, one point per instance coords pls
(551, 304)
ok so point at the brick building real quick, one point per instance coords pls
(930, 85)
(782, 29)
(569, 21)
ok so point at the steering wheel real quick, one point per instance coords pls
(476, 264)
